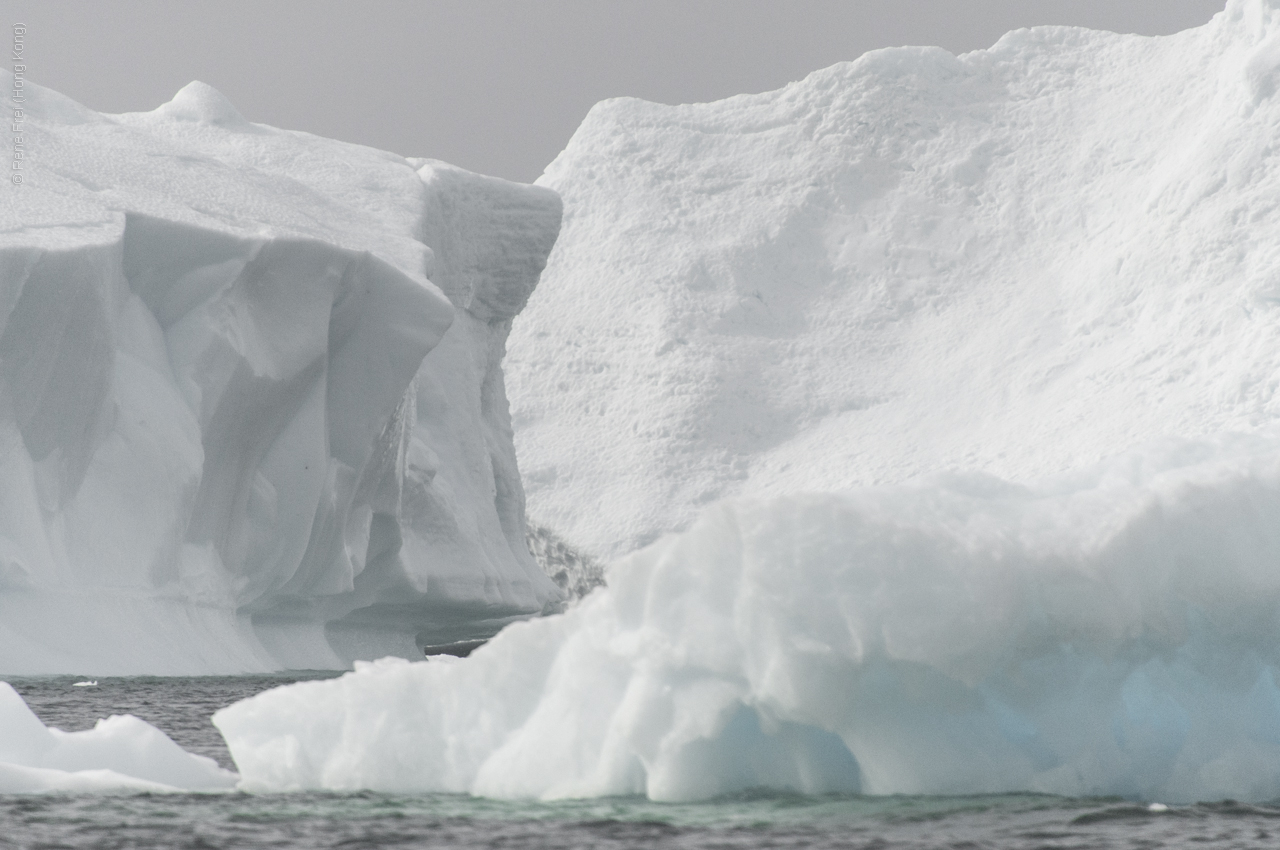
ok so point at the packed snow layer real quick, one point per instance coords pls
(252, 411)
(121, 753)
(1019, 261)
(1108, 632)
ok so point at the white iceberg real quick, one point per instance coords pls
(121, 753)
(1021, 261)
(1111, 632)
(252, 412)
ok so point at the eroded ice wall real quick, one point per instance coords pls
(455, 541)
(224, 446)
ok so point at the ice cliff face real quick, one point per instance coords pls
(252, 413)
(1020, 260)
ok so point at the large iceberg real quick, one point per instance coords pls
(252, 413)
(1109, 632)
(1053, 264)
(1020, 260)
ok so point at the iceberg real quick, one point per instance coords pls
(120, 754)
(926, 410)
(1108, 632)
(252, 409)
(1019, 261)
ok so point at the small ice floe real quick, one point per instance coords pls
(1157, 808)
(119, 754)
(87, 684)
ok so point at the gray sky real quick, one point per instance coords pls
(498, 86)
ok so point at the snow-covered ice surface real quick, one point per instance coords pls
(1052, 265)
(251, 409)
(1020, 260)
(122, 753)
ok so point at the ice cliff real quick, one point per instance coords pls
(252, 413)
(1010, 263)
(1020, 260)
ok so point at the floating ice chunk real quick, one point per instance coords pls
(1114, 631)
(121, 753)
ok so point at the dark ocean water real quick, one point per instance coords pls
(181, 707)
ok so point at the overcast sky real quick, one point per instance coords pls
(499, 86)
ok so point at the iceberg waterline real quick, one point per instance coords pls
(252, 413)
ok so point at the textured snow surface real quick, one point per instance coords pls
(121, 753)
(1108, 632)
(251, 409)
(1021, 260)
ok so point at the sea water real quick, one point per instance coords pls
(182, 706)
